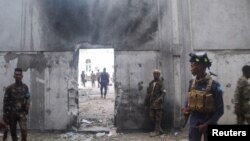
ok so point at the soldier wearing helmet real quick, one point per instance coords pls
(204, 103)
(154, 101)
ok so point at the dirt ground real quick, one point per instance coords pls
(96, 122)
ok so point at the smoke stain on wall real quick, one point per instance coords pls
(26, 61)
(128, 23)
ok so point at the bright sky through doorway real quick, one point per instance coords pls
(94, 59)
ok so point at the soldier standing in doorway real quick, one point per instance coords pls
(16, 106)
(204, 103)
(242, 97)
(154, 100)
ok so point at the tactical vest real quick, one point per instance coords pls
(201, 101)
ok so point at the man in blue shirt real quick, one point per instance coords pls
(204, 103)
(104, 81)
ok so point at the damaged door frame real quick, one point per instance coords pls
(86, 45)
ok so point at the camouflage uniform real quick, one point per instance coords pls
(242, 97)
(15, 108)
(154, 100)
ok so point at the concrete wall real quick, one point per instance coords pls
(46, 73)
(132, 79)
(46, 31)
(128, 25)
(53, 86)
(221, 28)
(220, 24)
(38, 33)
(20, 25)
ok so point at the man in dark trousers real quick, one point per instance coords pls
(204, 103)
(154, 100)
(16, 106)
(104, 81)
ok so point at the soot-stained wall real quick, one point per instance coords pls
(52, 84)
(130, 24)
(50, 31)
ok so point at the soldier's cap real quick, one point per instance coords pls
(200, 57)
(157, 71)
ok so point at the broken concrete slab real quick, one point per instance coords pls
(94, 129)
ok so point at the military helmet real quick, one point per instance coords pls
(200, 57)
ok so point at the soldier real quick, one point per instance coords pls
(242, 97)
(154, 100)
(205, 102)
(16, 106)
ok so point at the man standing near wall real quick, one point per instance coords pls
(242, 97)
(205, 102)
(155, 101)
(16, 106)
(104, 81)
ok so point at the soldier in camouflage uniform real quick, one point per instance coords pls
(154, 100)
(16, 106)
(204, 101)
(242, 97)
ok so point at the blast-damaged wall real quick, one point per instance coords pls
(52, 83)
(129, 24)
(149, 28)
(51, 76)
(132, 79)
(43, 36)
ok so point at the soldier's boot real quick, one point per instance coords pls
(24, 138)
(156, 131)
(160, 129)
(24, 135)
(101, 96)
(104, 96)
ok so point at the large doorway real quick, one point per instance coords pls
(96, 113)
